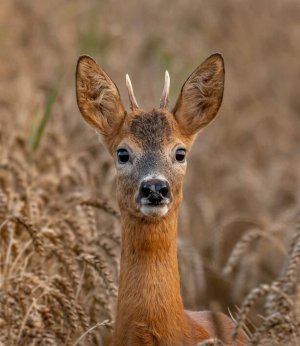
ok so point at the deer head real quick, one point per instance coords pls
(149, 148)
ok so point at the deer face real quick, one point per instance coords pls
(149, 148)
(150, 156)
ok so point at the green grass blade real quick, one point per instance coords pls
(38, 131)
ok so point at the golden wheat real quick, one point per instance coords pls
(59, 229)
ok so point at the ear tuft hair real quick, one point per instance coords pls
(201, 96)
(98, 97)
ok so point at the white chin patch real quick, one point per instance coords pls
(154, 211)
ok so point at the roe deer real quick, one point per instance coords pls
(149, 150)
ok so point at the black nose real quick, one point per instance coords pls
(155, 190)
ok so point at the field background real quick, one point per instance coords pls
(59, 232)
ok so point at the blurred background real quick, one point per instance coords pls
(243, 173)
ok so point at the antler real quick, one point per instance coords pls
(164, 100)
(132, 99)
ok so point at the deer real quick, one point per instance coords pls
(150, 152)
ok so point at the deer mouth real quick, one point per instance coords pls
(156, 207)
(154, 210)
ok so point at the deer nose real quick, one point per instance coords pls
(155, 191)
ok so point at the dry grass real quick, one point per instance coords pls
(59, 230)
(59, 257)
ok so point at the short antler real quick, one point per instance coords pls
(132, 99)
(164, 101)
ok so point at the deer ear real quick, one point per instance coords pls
(201, 96)
(98, 97)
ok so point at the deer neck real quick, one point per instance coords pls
(150, 309)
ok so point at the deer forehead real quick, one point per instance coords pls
(151, 131)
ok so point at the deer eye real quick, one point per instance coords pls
(180, 155)
(123, 155)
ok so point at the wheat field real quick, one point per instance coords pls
(239, 241)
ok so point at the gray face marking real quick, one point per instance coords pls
(151, 130)
(151, 163)
(148, 163)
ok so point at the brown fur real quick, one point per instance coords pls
(150, 309)
(98, 97)
(151, 130)
(201, 95)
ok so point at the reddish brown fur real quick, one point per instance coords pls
(150, 309)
